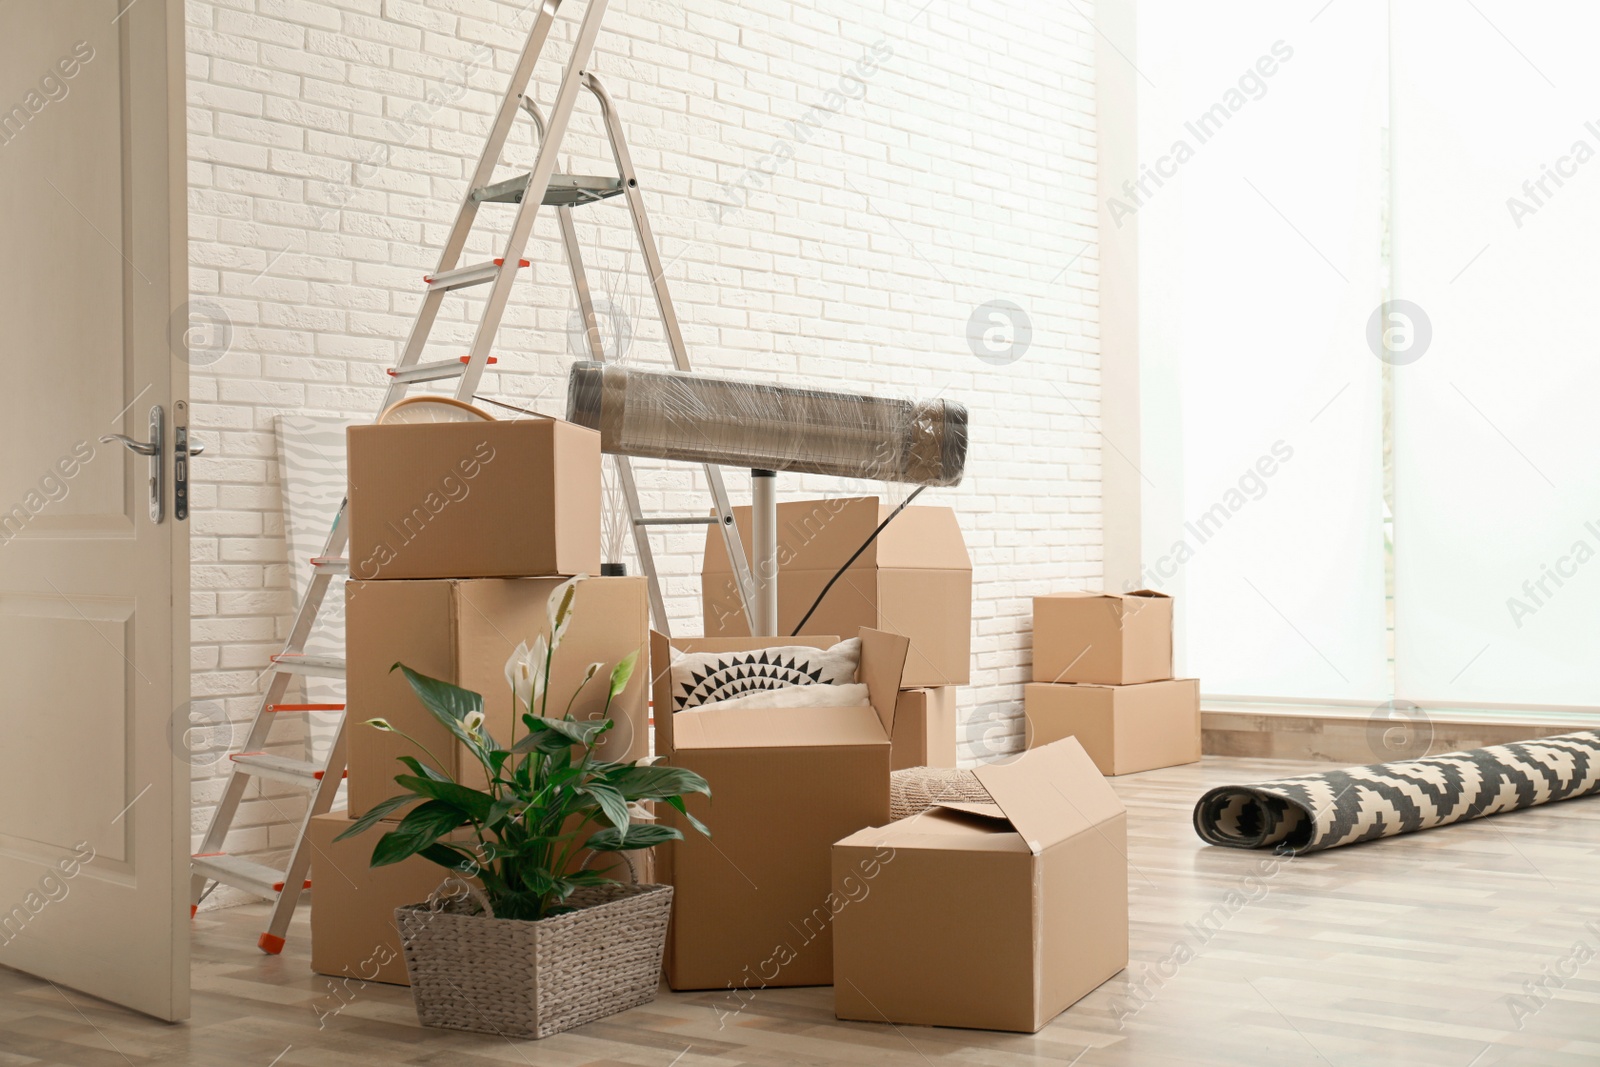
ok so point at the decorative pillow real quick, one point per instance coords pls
(795, 696)
(701, 677)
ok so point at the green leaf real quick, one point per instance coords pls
(677, 802)
(367, 821)
(551, 736)
(610, 800)
(541, 738)
(456, 859)
(422, 827)
(501, 809)
(422, 770)
(656, 782)
(639, 835)
(582, 731)
(469, 802)
(449, 704)
(622, 672)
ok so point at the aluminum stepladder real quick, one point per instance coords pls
(211, 865)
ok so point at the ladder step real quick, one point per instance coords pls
(679, 520)
(240, 873)
(277, 768)
(304, 707)
(462, 277)
(432, 372)
(310, 666)
(564, 190)
(332, 564)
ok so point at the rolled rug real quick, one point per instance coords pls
(1310, 812)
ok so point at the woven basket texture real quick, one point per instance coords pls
(518, 978)
(916, 789)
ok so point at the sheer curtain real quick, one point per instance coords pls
(1260, 250)
(1497, 485)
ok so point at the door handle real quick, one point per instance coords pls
(151, 449)
(144, 448)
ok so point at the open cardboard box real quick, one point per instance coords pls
(988, 916)
(474, 499)
(1102, 638)
(463, 632)
(751, 904)
(914, 579)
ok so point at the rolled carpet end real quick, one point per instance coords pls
(1311, 812)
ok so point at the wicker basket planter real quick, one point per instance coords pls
(516, 978)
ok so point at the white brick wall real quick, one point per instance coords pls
(949, 162)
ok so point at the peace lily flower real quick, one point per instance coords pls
(525, 671)
(560, 607)
(472, 723)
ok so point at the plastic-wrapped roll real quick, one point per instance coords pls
(688, 417)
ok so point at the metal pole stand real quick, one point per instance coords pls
(764, 551)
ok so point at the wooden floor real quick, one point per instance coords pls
(1405, 952)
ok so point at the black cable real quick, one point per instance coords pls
(815, 604)
(511, 407)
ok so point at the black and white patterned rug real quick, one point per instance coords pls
(1316, 811)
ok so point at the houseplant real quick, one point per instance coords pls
(547, 943)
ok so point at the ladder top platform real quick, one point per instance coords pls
(564, 190)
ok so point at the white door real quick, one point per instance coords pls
(94, 614)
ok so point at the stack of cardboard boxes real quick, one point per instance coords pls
(914, 579)
(458, 533)
(1102, 672)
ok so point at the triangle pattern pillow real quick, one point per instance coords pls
(703, 677)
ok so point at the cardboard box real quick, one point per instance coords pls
(988, 916)
(1124, 728)
(353, 935)
(474, 500)
(924, 728)
(915, 579)
(463, 632)
(749, 908)
(1102, 638)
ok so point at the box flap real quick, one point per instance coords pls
(775, 728)
(883, 664)
(985, 811)
(1051, 793)
(822, 534)
(956, 827)
(922, 538)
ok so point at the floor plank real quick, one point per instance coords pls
(1413, 952)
